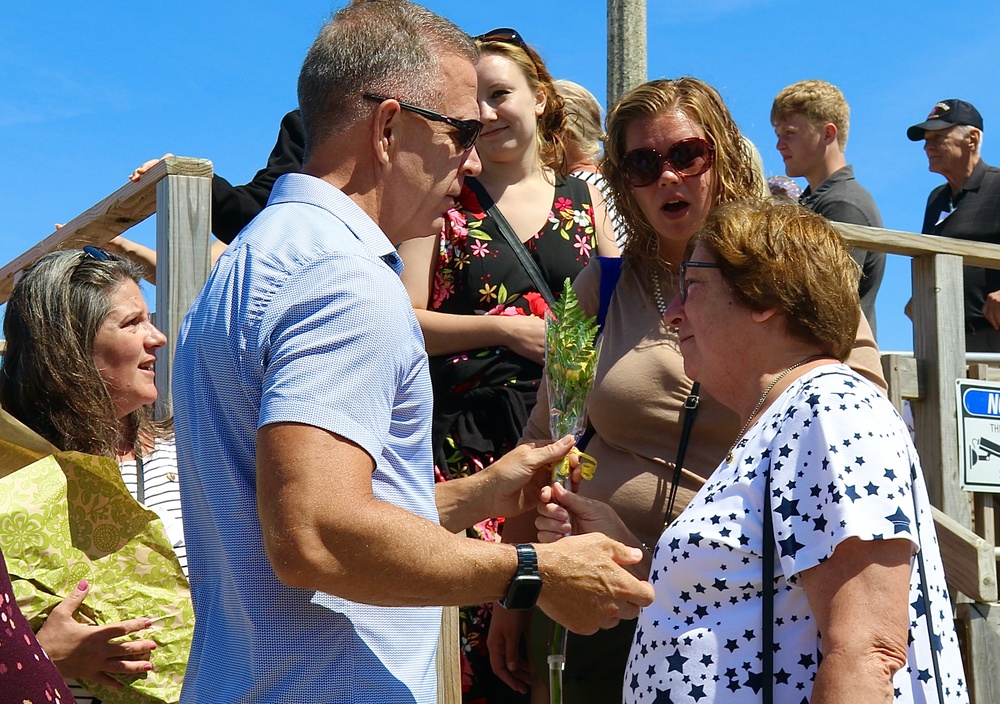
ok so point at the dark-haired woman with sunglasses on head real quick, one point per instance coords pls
(672, 154)
(78, 370)
(477, 304)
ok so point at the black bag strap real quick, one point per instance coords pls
(534, 273)
(690, 411)
(767, 584)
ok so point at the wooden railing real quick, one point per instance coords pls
(965, 521)
(179, 190)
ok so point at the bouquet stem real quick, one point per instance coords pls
(557, 662)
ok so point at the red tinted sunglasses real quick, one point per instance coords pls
(688, 157)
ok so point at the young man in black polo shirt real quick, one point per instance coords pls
(811, 120)
(966, 207)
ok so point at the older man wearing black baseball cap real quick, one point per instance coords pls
(966, 207)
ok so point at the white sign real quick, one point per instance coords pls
(979, 435)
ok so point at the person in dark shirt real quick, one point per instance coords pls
(233, 207)
(966, 207)
(811, 120)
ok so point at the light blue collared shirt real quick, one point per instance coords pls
(304, 319)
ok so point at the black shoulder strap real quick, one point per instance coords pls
(690, 411)
(534, 273)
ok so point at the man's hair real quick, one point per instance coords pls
(818, 102)
(583, 117)
(784, 256)
(733, 174)
(49, 380)
(391, 48)
(551, 131)
(963, 132)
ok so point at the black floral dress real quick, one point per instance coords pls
(482, 398)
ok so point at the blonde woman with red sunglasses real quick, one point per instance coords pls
(672, 153)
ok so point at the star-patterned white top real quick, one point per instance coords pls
(842, 465)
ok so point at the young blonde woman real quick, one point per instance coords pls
(478, 307)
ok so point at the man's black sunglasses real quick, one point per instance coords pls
(467, 131)
(505, 35)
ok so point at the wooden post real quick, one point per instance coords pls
(626, 47)
(183, 227)
(449, 669)
(979, 629)
(939, 347)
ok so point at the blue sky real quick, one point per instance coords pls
(90, 90)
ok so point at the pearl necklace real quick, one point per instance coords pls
(658, 295)
(763, 397)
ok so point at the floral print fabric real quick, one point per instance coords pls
(482, 398)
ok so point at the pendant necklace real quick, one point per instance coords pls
(763, 397)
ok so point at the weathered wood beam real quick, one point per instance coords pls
(130, 204)
(939, 345)
(183, 231)
(970, 564)
(909, 244)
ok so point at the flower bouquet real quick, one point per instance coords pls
(570, 364)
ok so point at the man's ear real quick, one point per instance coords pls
(829, 133)
(975, 139)
(385, 127)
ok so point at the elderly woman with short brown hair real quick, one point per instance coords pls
(673, 152)
(807, 565)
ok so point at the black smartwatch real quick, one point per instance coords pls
(527, 584)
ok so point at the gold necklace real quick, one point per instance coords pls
(763, 397)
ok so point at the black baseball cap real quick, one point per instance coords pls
(945, 114)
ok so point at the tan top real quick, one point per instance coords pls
(637, 401)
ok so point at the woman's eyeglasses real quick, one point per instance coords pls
(466, 131)
(688, 157)
(505, 35)
(692, 265)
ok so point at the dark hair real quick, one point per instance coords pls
(48, 378)
(781, 255)
(387, 47)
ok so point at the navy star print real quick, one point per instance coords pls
(841, 465)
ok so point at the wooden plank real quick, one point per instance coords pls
(939, 347)
(909, 244)
(901, 375)
(979, 631)
(183, 231)
(969, 561)
(449, 671)
(130, 204)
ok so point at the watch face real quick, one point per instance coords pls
(523, 592)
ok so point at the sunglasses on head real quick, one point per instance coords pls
(505, 35)
(466, 131)
(688, 157)
(96, 253)
(692, 265)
